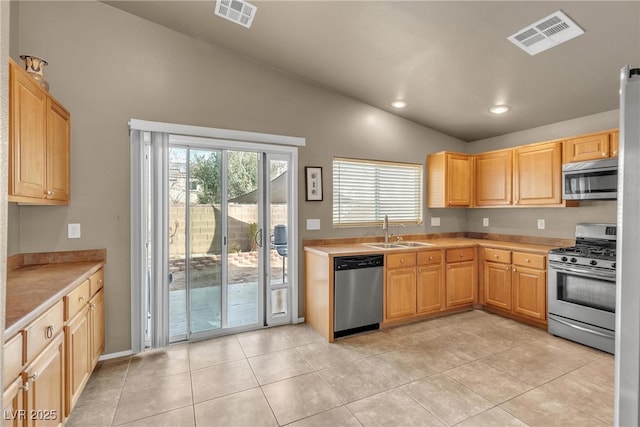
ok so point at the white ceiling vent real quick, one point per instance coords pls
(238, 11)
(548, 32)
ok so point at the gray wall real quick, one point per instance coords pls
(107, 66)
(559, 223)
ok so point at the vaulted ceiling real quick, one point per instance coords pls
(449, 60)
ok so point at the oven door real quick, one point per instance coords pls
(583, 294)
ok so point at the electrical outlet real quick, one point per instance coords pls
(485, 222)
(541, 224)
(73, 231)
(435, 222)
(313, 224)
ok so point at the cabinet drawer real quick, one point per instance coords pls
(530, 260)
(497, 255)
(401, 260)
(41, 332)
(429, 257)
(76, 299)
(12, 358)
(461, 254)
(97, 281)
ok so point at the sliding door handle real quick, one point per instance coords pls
(258, 237)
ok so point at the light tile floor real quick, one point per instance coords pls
(468, 369)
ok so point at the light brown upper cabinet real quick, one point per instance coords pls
(493, 178)
(39, 143)
(594, 146)
(614, 144)
(538, 174)
(449, 180)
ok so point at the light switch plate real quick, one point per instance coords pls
(541, 224)
(485, 222)
(73, 231)
(313, 224)
(435, 222)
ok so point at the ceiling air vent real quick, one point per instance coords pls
(237, 11)
(548, 32)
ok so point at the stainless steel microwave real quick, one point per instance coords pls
(596, 179)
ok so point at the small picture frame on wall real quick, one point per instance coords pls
(313, 180)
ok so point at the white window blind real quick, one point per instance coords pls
(364, 191)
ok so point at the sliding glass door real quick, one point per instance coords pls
(222, 203)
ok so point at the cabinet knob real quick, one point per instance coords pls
(419, 270)
(514, 269)
(527, 260)
(615, 153)
(50, 193)
(461, 255)
(48, 331)
(506, 268)
(449, 267)
(497, 256)
(604, 154)
(25, 386)
(34, 377)
(81, 298)
(402, 261)
(92, 307)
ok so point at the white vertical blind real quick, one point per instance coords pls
(364, 191)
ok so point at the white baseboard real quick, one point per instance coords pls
(299, 320)
(116, 355)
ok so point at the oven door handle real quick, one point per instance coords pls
(580, 328)
(583, 273)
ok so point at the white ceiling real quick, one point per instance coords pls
(449, 60)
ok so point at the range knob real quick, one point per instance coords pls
(573, 260)
(593, 262)
(563, 259)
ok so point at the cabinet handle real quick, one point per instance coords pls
(25, 386)
(34, 377)
(48, 331)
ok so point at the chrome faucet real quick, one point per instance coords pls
(385, 227)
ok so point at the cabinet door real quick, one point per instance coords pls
(497, 285)
(538, 173)
(590, 147)
(78, 358)
(494, 174)
(58, 138)
(614, 144)
(458, 180)
(461, 286)
(45, 398)
(96, 321)
(530, 292)
(430, 289)
(27, 149)
(400, 295)
(13, 409)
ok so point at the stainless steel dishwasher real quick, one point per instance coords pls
(357, 296)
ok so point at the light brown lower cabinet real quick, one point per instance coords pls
(48, 363)
(515, 282)
(400, 291)
(461, 277)
(45, 382)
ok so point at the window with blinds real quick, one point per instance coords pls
(364, 191)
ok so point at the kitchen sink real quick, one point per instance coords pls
(384, 245)
(415, 244)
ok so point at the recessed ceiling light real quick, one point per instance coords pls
(499, 109)
(398, 103)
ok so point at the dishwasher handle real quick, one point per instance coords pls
(358, 261)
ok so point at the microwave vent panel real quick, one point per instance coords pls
(548, 32)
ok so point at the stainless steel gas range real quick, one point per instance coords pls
(582, 287)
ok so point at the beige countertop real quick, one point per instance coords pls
(345, 249)
(35, 282)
